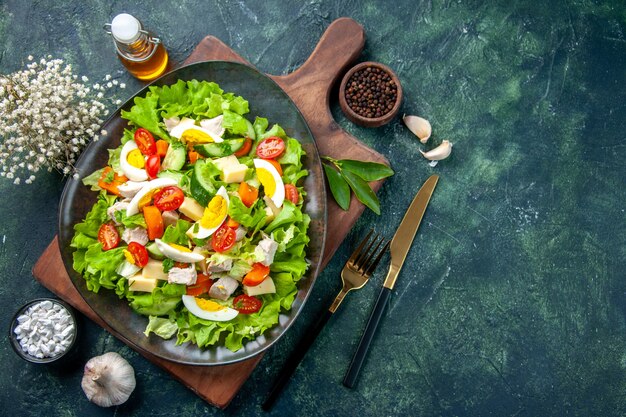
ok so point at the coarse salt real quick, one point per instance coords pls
(45, 330)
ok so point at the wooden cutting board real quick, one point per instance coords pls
(309, 87)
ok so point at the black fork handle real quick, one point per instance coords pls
(294, 360)
(368, 335)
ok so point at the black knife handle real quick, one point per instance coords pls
(294, 360)
(368, 335)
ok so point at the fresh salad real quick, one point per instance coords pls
(198, 221)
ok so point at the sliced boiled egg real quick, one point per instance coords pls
(144, 195)
(208, 310)
(214, 215)
(178, 253)
(129, 162)
(187, 131)
(271, 181)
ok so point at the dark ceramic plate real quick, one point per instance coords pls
(266, 100)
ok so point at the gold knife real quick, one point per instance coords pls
(400, 245)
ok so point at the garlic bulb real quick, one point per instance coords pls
(108, 380)
(440, 152)
(419, 126)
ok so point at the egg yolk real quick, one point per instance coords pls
(129, 257)
(145, 200)
(267, 180)
(196, 136)
(214, 213)
(135, 158)
(180, 248)
(209, 305)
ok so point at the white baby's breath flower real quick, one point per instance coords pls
(47, 115)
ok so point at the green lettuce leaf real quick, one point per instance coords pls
(252, 217)
(176, 233)
(144, 114)
(161, 301)
(162, 327)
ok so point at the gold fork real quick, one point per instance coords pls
(354, 275)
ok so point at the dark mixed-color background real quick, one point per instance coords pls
(513, 298)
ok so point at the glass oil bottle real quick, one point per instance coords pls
(143, 54)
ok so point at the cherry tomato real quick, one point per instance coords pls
(257, 275)
(270, 148)
(247, 304)
(145, 142)
(291, 192)
(223, 239)
(169, 198)
(247, 145)
(139, 252)
(153, 165)
(108, 236)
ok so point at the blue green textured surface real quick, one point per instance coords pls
(512, 300)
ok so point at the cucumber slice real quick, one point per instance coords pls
(154, 251)
(202, 188)
(218, 150)
(174, 158)
(251, 133)
(175, 175)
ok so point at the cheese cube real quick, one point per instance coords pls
(139, 283)
(154, 270)
(192, 209)
(232, 170)
(265, 287)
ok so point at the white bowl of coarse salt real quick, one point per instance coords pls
(43, 330)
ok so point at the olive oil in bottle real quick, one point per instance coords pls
(139, 51)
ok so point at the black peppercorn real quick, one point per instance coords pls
(372, 92)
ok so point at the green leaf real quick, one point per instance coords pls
(362, 191)
(369, 171)
(92, 180)
(144, 114)
(338, 187)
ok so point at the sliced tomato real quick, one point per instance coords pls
(139, 252)
(193, 156)
(243, 151)
(248, 194)
(108, 236)
(203, 285)
(109, 181)
(203, 278)
(169, 198)
(153, 165)
(270, 148)
(276, 165)
(145, 142)
(291, 192)
(154, 222)
(161, 147)
(257, 275)
(223, 239)
(231, 223)
(247, 304)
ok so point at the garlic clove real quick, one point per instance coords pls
(440, 152)
(419, 126)
(108, 380)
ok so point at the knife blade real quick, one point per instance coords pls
(403, 239)
(400, 245)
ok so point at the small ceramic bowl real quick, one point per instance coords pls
(15, 343)
(369, 121)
